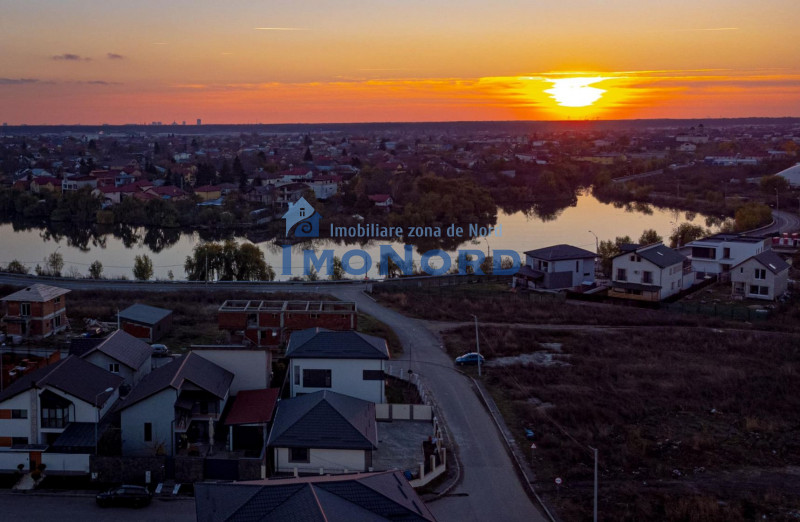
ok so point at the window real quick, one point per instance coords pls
(298, 455)
(19, 440)
(373, 375)
(763, 290)
(622, 274)
(113, 367)
(25, 309)
(726, 253)
(577, 266)
(57, 300)
(55, 417)
(761, 273)
(19, 414)
(317, 378)
(297, 376)
(148, 432)
(647, 277)
(57, 321)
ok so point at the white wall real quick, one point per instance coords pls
(739, 252)
(332, 460)
(19, 427)
(9, 460)
(581, 269)
(250, 368)
(347, 377)
(56, 462)
(102, 360)
(670, 279)
(159, 410)
(777, 283)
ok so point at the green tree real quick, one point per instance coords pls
(771, 184)
(752, 215)
(142, 268)
(649, 237)
(607, 250)
(338, 269)
(96, 270)
(312, 275)
(307, 156)
(54, 263)
(15, 267)
(686, 233)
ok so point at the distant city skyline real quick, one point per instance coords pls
(92, 62)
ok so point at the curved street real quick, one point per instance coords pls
(783, 222)
(489, 488)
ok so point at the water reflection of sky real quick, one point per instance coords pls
(519, 232)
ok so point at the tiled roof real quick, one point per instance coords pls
(319, 343)
(560, 253)
(124, 348)
(144, 314)
(365, 497)
(661, 256)
(253, 407)
(324, 419)
(771, 261)
(37, 293)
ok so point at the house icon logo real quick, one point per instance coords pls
(303, 218)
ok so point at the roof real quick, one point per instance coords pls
(324, 419)
(560, 253)
(365, 497)
(658, 254)
(722, 237)
(792, 175)
(72, 375)
(37, 293)
(320, 343)
(770, 260)
(124, 348)
(75, 438)
(190, 367)
(253, 407)
(144, 314)
(380, 198)
(529, 272)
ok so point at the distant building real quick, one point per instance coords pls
(649, 273)
(763, 276)
(556, 267)
(716, 254)
(146, 322)
(199, 121)
(36, 312)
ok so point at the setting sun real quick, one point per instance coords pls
(575, 92)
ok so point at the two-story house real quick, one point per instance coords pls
(122, 354)
(649, 273)
(177, 404)
(346, 362)
(556, 267)
(717, 254)
(763, 276)
(36, 312)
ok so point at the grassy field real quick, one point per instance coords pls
(691, 423)
(371, 326)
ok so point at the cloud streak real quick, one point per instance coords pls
(114, 56)
(17, 81)
(281, 29)
(69, 57)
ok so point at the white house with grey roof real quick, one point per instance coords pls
(763, 276)
(556, 267)
(649, 273)
(123, 355)
(325, 430)
(717, 254)
(346, 362)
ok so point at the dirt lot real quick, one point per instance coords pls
(690, 423)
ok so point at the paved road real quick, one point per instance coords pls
(490, 488)
(784, 222)
(38, 508)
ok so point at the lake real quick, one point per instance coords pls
(520, 232)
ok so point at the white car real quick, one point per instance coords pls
(160, 350)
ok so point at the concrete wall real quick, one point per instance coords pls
(251, 368)
(159, 410)
(419, 412)
(347, 377)
(745, 273)
(61, 462)
(331, 460)
(103, 361)
(9, 460)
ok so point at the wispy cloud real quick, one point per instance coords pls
(159, 43)
(17, 81)
(114, 56)
(281, 29)
(100, 82)
(709, 29)
(71, 57)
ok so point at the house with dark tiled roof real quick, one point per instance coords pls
(37, 408)
(146, 322)
(649, 273)
(323, 430)
(36, 312)
(347, 362)
(762, 276)
(122, 354)
(175, 405)
(374, 497)
(556, 267)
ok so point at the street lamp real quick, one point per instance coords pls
(596, 242)
(477, 344)
(97, 413)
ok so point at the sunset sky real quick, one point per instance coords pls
(249, 61)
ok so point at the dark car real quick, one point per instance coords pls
(131, 496)
(470, 358)
(160, 350)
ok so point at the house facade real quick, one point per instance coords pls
(556, 267)
(122, 355)
(146, 322)
(649, 273)
(36, 312)
(763, 276)
(346, 362)
(717, 254)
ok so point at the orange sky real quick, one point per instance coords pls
(86, 61)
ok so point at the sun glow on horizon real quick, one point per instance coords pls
(575, 92)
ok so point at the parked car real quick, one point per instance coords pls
(470, 358)
(125, 495)
(160, 350)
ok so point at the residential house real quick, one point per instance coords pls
(37, 408)
(36, 312)
(123, 355)
(146, 322)
(382, 200)
(556, 267)
(324, 430)
(347, 362)
(325, 186)
(384, 496)
(649, 273)
(250, 364)
(208, 192)
(168, 192)
(177, 404)
(75, 183)
(249, 419)
(717, 254)
(45, 183)
(763, 276)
